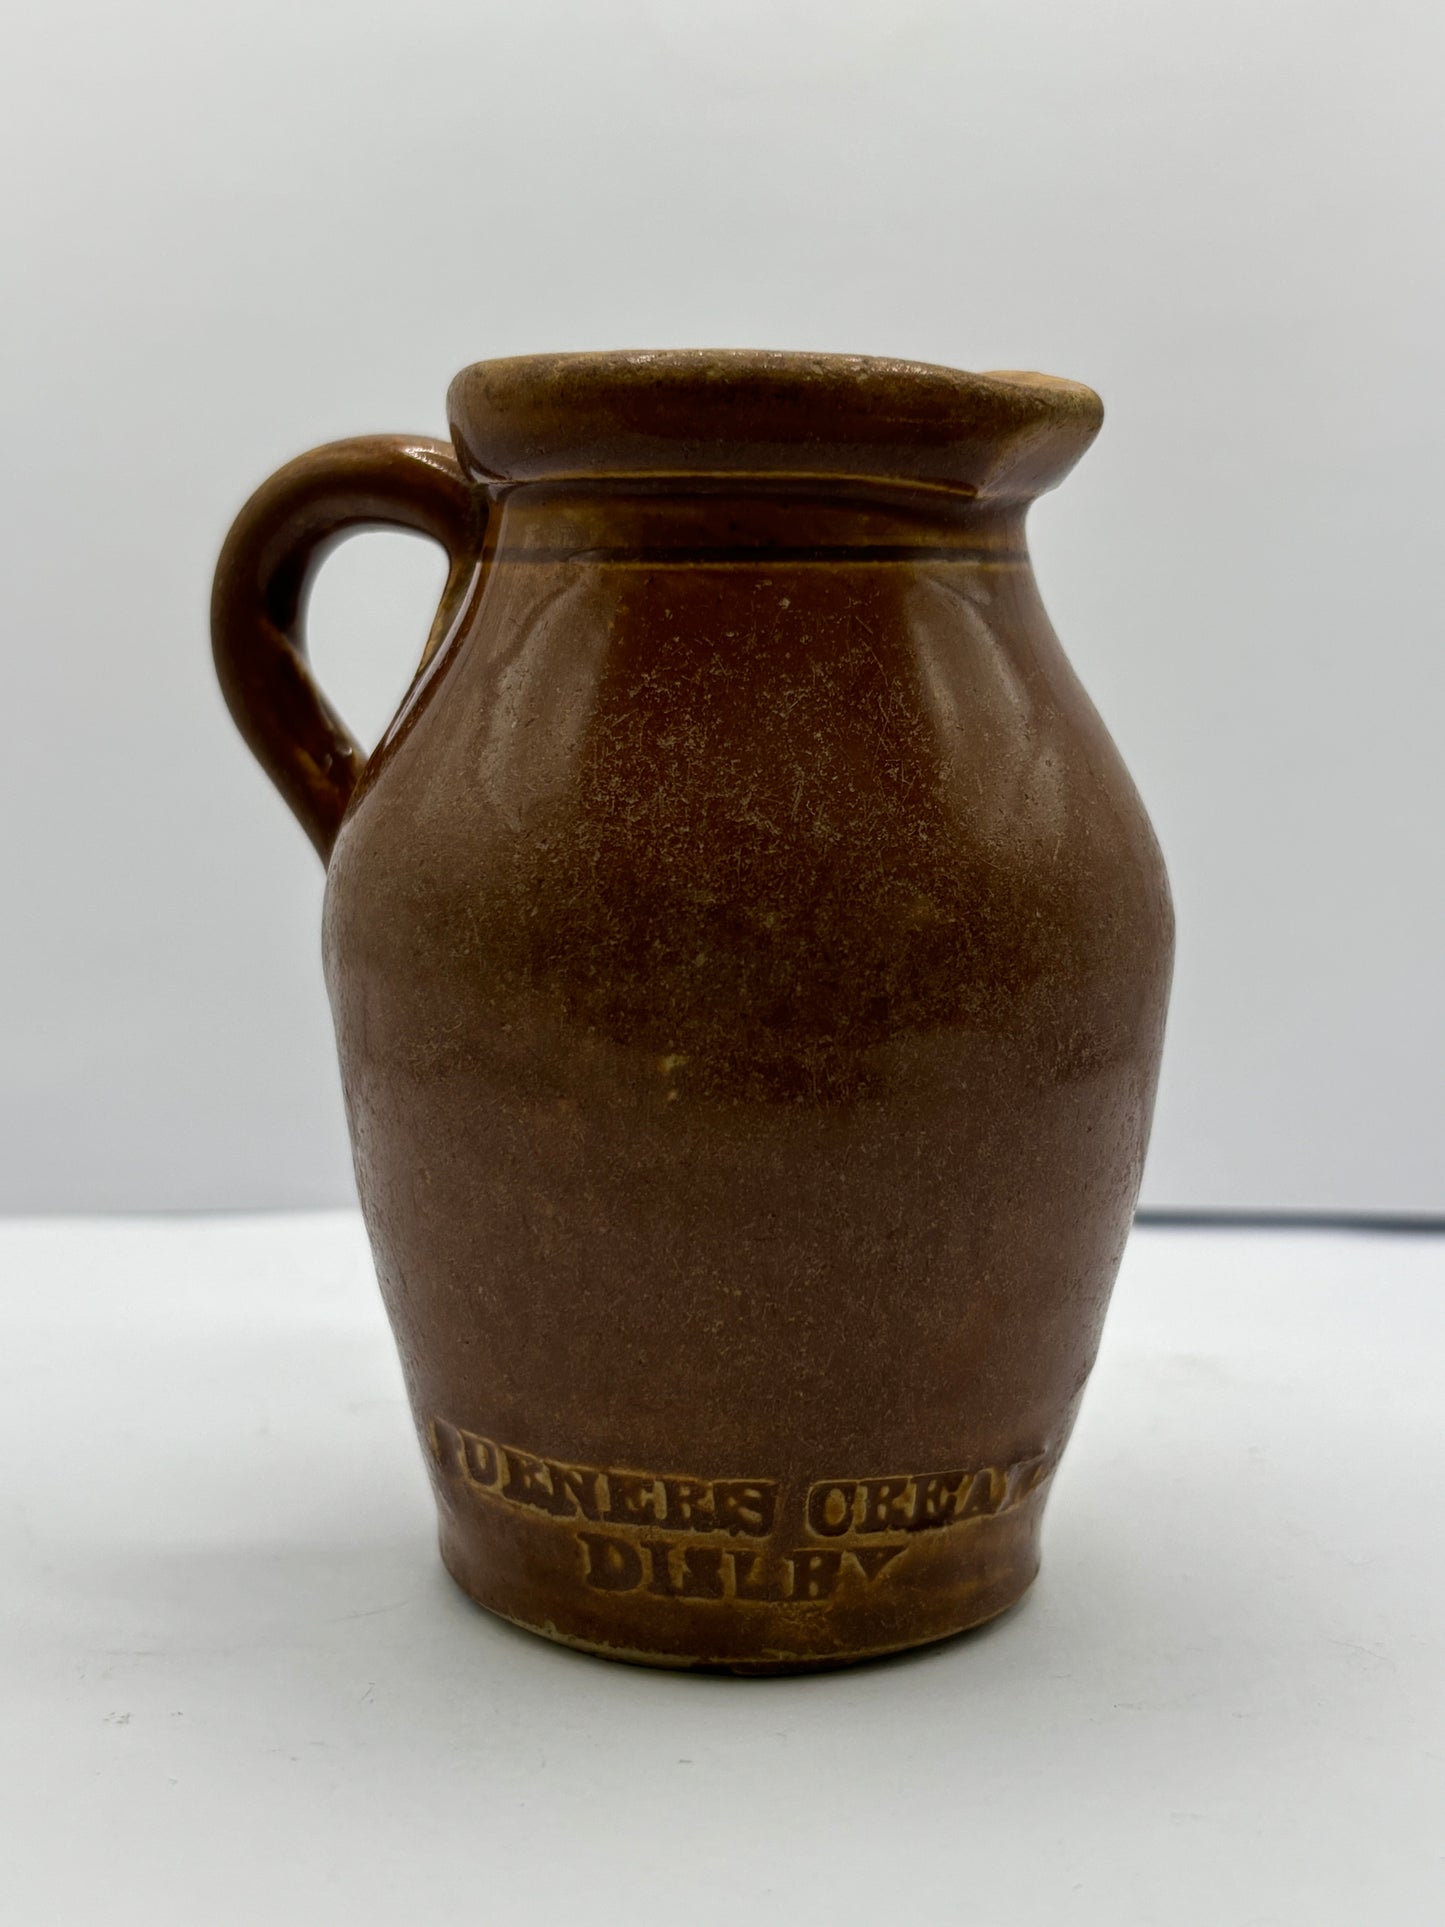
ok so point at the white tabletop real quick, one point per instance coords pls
(237, 1686)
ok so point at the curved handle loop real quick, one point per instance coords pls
(258, 602)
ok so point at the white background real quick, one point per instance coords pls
(232, 231)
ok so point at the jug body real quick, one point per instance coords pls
(749, 960)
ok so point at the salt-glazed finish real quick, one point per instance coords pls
(749, 960)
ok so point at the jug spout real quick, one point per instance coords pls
(666, 415)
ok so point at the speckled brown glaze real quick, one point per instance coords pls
(749, 960)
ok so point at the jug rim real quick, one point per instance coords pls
(664, 415)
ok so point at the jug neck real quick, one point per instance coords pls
(747, 519)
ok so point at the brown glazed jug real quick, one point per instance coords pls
(749, 960)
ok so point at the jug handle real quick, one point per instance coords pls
(264, 574)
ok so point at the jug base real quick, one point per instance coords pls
(769, 1665)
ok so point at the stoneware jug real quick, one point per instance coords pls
(749, 960)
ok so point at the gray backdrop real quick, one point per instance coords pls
(235, 230)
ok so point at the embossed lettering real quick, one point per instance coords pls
(746, 1505)
(529, 1482)
(815, 1573)
(871, 1560)
(887, 1505)
(685, 1569)
(922, 1502)
(659, 1523)
(635, 1499)
(626, 1499)
(830, 1507)
(582, 1484)
(935, 1500)
(983, 1495)
(681, 1571)
(479, 1460)
(659, 1554)
(687, 1504)
(612, 1565)
(756, 1577)
(702, 1572)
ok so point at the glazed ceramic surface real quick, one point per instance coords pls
(749, 960)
